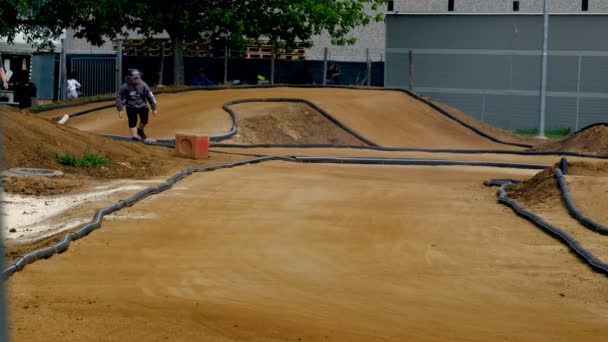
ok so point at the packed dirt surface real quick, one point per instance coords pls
(281, 251)
(286, 252)
(589, 192)
(30, 141)
(287, 123)
(588, 184)
(32, 222)
(56, 113)
(496, 132)
(593, 140)
(388, 118)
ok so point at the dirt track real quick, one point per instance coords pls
(388, 118)
(281, 251)
(294, 252)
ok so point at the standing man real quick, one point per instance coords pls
(135, 92)
(3, 74)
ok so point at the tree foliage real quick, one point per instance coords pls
(283, 22)
(19, 17)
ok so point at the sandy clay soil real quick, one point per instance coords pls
(287, 252)
(282, 251)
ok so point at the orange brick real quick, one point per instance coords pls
(191, 146)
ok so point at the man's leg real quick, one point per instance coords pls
(132, 117)
(143, 121)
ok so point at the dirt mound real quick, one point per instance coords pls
(287, 123)
(542, 189)
(593, 140)
(494, 131)
(30, 141)
(538, 190)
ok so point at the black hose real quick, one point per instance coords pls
(309, 103)
(552, 230)
(500, 182)
(471, 127)
(370, 144)
(571, 206)
(591, 126)
(86, 111)
(413, 149)
(21, 261)
(170, 143)
(410, 93)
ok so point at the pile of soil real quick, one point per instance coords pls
(288, 123)
(593, 141)
(539, 190)
(494, 131)
(30, 141)
(542, 189)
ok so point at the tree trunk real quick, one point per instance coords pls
(178, 59)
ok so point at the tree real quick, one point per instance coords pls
(10, 13)
(284, 22)
(18, 16)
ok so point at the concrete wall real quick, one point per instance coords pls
(489, 66)
(373, 36)
(498, 6)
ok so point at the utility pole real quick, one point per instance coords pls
(118, 64)
(543, 82)
(325, 66)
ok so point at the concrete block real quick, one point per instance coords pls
(192, 146)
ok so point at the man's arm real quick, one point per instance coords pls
(3, 77)
(122, 93)
(150, 98)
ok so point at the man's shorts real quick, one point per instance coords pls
(132, 114)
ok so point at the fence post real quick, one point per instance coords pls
(162, 63)
(272, 57)
(325, 67)
(578, 93)
(62, 72)
(118, 64)
(369, 68)
(411, 70)
(226, 63)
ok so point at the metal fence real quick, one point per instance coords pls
(489, 66)
(247, 70)
(96, 74)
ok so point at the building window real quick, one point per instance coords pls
(451, 5)
(585, 5)
(391, 6)
(515, 6)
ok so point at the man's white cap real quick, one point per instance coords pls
(135, 72)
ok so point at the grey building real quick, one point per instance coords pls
(489, 65)
(483, 57)
(372, 37)
(499, 6)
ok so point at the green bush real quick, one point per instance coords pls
(88, 159)
(550, 133)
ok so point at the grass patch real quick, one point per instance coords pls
(88, 159)
(551, 133)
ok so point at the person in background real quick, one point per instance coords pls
(333, 75)
(200, 79)
(135, 92)
(3, 74)
(73, 86)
